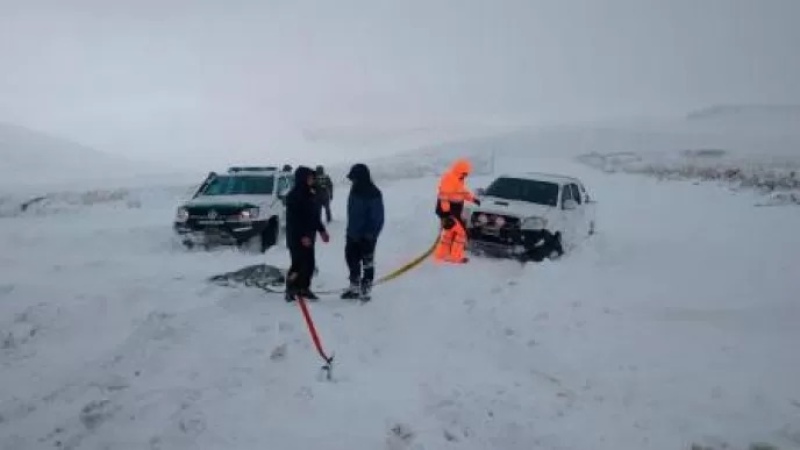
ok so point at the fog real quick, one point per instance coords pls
(211, 80)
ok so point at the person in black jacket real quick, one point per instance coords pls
(365, 216)
(302, 225)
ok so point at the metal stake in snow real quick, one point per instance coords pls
(328, 367)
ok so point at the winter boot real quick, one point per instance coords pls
(366, 290)
(352, 292)
(308, 295)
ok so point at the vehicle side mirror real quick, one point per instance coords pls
(480, 191)
(570, 204)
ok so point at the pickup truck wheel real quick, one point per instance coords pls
(556, 246)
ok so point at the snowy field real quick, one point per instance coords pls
(776, 178)
(675, 325)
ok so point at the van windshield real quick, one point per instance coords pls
(240, 185)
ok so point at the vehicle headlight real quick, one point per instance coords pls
(534, 223)
(182, 215)
(249, 214)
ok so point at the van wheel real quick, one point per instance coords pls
(270, 235)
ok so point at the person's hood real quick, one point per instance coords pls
(359, 173)
(301, 174)
(362, 181)
(461, 167)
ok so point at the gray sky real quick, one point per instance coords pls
(174, 79)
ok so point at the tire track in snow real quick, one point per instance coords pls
(105, 390)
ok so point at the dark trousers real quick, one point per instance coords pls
(302, 267)
(360, 257)
(326, 205)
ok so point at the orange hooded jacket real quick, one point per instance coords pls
(452, 188)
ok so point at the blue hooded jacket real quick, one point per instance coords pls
(365, 212)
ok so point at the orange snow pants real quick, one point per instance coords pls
(452, 243)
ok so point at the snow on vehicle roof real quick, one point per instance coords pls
(541, 176)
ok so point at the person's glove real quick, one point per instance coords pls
(448, 222)
(325, 237)
(477, 201)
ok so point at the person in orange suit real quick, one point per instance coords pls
(453, 192)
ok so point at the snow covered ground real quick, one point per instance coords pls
(675, 324)
(776, 178)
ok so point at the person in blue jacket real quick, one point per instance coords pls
(365, 215)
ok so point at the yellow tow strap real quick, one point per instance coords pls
(408, 266)
(396, 273)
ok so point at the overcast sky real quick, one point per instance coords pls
(174, 79)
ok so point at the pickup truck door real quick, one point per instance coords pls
(569, 218)
(581, 216)
(589, 208)
(284, 186)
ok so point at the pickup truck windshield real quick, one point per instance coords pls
(240, 185)
(532, 191)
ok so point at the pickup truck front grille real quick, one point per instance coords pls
(508, 222)
(215, 212)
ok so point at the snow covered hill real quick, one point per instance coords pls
(30, 156)
(674, 325)
(759, 119)
(743, 148)
(34, 161)
(40, 174)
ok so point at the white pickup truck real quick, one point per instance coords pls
(243, 207)
(530, 216)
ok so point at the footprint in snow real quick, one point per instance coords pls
(94, 413)
(278, 353)
(400, 437)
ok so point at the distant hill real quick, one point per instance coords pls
(33, 157)
(746, 111)
(775, 120)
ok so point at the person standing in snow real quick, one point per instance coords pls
(365, 215)
(324, 188)
(453, 193)
(302, 225)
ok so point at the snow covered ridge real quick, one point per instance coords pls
(29, 156)
(65, 202)
(775, 177)
(429, 162)
(749, 112)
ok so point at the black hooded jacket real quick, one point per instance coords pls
(365, 213)
(302, 212)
